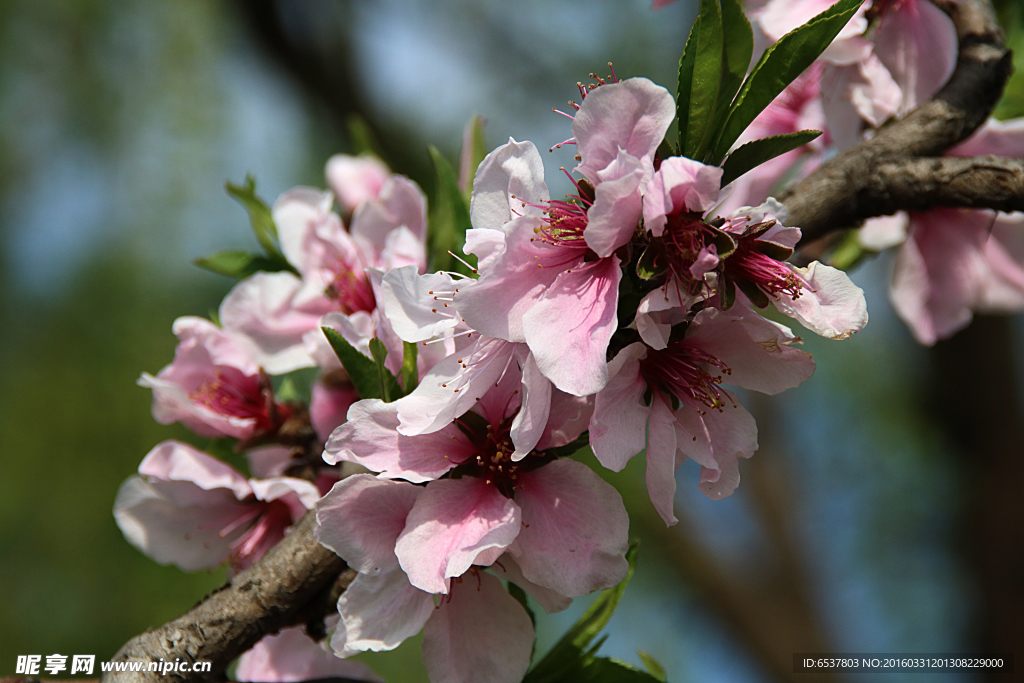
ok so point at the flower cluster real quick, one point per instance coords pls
(891, 57)
(621, 317)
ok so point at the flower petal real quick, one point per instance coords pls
(452, 524)
(481, 634)
(618, 430)
(833, 306)
(575, 529)
(508, 176)
(291, 655)
(361, 518)
(378, 611)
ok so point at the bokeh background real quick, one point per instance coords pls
(883, 513)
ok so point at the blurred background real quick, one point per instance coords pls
(883, 513)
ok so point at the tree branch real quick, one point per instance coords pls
(956, 182)
(830, 197)
(273, 593)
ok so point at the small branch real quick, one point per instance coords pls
(956, 182)
(268, 596)
(828, 199)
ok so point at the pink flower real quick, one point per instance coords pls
(291, 655)
(189, 509)
(275, 311)
(672, 402)
(564, 527)
(553, 284)
(355, 180)
(474, 632)
(213, 387)
(906, 56)
(956, 261)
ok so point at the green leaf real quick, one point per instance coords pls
(360, 135)
(260, 218)
(520, 595)
(448, 218)
(739, 47)
(361, 370)
(240, 264)
(389, 389)
(287, 391)
(410, 373)
(570, 655)
(778, 67)
(850, 252)
(652, 263)
(684, 82)
(607, 670)
(704, 83)
(652, 665)
(473, 154)
(756, 152)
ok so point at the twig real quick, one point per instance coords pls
(266, 597)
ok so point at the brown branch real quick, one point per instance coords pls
(273, 593)
(836, 194)
(925, 183)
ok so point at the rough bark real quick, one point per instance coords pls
(273, 593)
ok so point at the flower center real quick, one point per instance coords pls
(230, 392)
(352, 291)
(491, 459)
(687, 374)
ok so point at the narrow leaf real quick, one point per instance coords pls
(361, 136)
(389, 389)
(778, 67)
(607, 670)
(707, 75)
(570, 654)
(685, 81)
(260, 218)
(474, 149)
(756, 152)
(410, 373)
(361, 370)
(652, 665)
(739, 47)
(448, 219)
(240, 264)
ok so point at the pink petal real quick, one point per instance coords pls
(575, 529)
(291, 655)
(508, 176)
(495, 304)
(617, 208)
(661, 460)
(401, 203)
(568, 330)
(454, 385)
(370, 438)
(1002, 138)
(418, 306)
(299, 495)
(451, 525)
(361, 518)
(633, 115)
(568, 417)
(309, 231)
(757, 351)
(355, 180)
(506, 568)
(329, 405)
(940, 272)
(260, 310)
(878, 234)
(917, 42)
(378, 611)
(1004, 252)
(176, 461)
(531, 421)
(659, 311)
(832, 306)
(618, 430)
(268, 461)
(733, 435)
(680, 184)
(480, 634)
